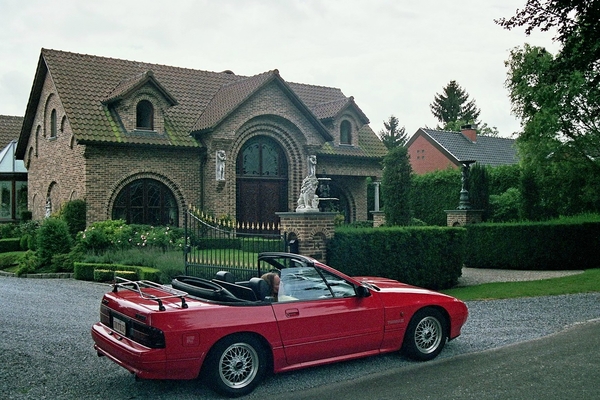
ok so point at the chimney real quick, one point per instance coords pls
(469, 132)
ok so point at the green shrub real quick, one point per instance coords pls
(62, 263)
(104, 275)
(53, 238)
(396, 186)
(553, 245)
(10, 259)
(28, 233)
(433, 193)
(74, 214)
(86, 271)
(430, 257)
(8, 245)
(8, 231)
(28, 264)
(129, 275)
(505, 207)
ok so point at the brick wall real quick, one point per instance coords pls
(63, 170)
(56, 165)
(425, 157)
(312, 230)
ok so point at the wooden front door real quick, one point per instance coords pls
(261, 172)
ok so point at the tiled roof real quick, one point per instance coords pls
(369, 145)
(487, 150)
(10, 127)
(127, 86)
(87, 84)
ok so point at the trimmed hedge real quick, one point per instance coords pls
(8, 245)
(85, 271)
(554, 245)
(430, 257)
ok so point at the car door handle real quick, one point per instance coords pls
(292, 312)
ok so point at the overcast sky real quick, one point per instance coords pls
(393, 56)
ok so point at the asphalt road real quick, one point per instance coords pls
(564, 366)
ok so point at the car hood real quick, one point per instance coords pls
(391, 285)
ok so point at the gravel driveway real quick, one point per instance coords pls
(46, 349)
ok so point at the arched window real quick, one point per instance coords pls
(144, 116)
(53, 127)
(146, 201)
(345, 133)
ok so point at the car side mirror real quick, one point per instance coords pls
(362, 291)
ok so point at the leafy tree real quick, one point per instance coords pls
(395, 186)
(454, 105)
(577, 23)
(393, 136)
(560, 113)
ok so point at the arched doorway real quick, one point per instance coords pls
(146, 201)
(261, 180)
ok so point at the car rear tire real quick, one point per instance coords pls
(236, 365)
(426, 335)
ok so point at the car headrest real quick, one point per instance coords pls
(260, 287)
(225, 276)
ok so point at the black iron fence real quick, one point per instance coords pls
(214, 245)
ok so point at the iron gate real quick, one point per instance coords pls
(213, 245)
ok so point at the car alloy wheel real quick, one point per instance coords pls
(426, 335)
(235, 365)
(238, 365)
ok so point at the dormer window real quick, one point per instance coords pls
(345, 132)
(144, 116)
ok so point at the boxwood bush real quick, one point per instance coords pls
(85, 271)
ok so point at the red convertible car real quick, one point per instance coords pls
(234, 332)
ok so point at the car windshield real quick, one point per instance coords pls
(300, 281)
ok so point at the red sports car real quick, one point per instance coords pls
(300, 314)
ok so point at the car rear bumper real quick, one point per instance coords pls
(142, 361)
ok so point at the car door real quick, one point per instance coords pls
(320, 316)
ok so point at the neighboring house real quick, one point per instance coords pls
(143, 142)
(432, 150)
(13, 175)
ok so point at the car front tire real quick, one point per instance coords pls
(236, 365)
(426, 335)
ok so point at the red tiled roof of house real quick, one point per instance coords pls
(87, 84)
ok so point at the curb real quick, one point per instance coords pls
(55, 275)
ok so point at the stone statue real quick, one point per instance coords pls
(312, 165)
(48, 207)
(220, 165)
(309, 200)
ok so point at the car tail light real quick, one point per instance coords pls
(143, 334)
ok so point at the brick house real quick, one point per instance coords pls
(432, 150)
(143, 142)
(13, 175)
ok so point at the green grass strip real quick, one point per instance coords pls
(586, 282)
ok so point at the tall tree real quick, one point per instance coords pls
(395, 186)
(577, 24)
(393, 136)
(454, 105)
(559, 112)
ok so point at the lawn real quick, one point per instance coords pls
(588, 281)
